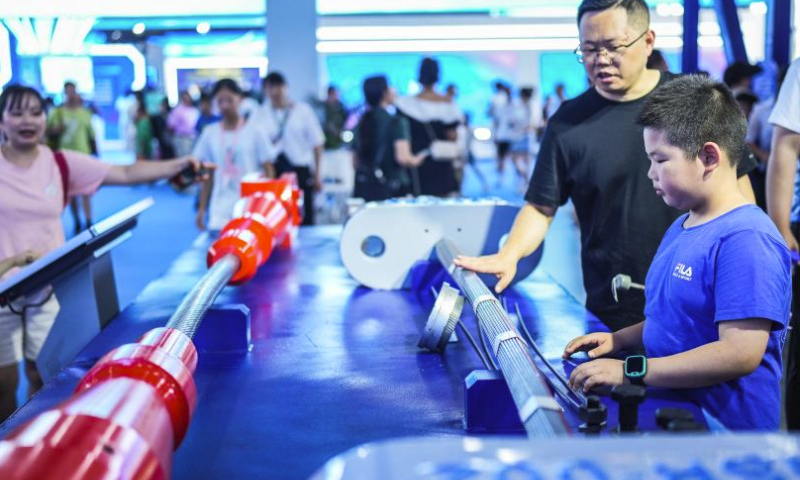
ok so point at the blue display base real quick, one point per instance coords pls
(488, 405)
(225, 329)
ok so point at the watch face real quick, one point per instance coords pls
(635, 366)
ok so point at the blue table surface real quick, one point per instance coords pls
(333, 365)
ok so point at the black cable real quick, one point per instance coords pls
(569, 393)
(474, 345)
(468, 335)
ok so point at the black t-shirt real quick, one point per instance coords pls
(386, 130)
(593, 153)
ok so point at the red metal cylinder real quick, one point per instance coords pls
(173, 342)
(260, 220)
(163, 369)
(119, 429)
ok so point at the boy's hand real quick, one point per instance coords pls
(503, 266)
(595, 344)
(602, 372)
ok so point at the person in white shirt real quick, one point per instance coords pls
(249, 106)
(785, 212)
(759, 138)
(554, 102)
(498, 111)
(523, 134)
(294, 129)
(237, 148)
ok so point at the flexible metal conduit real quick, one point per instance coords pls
(540, 413)
(190, 312)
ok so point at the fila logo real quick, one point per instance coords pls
(683, 272)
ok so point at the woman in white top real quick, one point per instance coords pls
(433, 118)
(237, 148)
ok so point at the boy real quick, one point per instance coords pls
(719, 289)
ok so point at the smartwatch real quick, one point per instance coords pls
(636, 369)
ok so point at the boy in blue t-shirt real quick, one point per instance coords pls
(719, 289)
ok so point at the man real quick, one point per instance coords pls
(739, 75)
(781, 169)
(593, 154)
(70, 128)
(554, 102)
(335, 118)
(297, 135)
(181, 122)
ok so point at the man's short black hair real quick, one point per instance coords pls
(275, 79)
(692, 110)
(69, 84)
(637, 10)
(738, 71)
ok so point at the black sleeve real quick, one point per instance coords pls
(747, 164)
(549, 186)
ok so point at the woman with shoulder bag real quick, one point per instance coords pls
(382, 147)
(433, 121)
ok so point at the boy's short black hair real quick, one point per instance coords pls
(637, 10)
(69, 83)
(692, 110)
(227, 84)
(13, 96)
(275, 79)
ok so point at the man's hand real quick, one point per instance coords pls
(500, 265)
(595, 344)
(602, 372)
(317, 182)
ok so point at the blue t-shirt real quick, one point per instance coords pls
(734, 267)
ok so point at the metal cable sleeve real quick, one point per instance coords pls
(527, 384)
(193, 307)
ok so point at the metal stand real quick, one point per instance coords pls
(488, 404)
(225, 329)
(88, 301)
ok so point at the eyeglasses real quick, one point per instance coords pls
(611, 52)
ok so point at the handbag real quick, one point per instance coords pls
(441, 150)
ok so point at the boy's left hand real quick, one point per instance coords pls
(601, 372)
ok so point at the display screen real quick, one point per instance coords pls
(634, 366)
(57, 70)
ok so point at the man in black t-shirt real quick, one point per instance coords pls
(593, 153)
